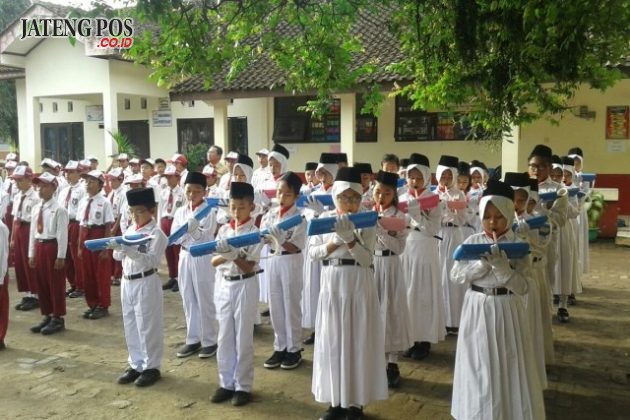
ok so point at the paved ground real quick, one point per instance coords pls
(73, 374)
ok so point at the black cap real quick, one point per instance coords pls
(448, 161)
(404, 162)
(196, 178)
(463, 168)
(533, 184)
(498, 188)
(294, 181)
(387, 178)
(280, 149)
(478, 164)
(556, 159)
(566, 160)
(364, 168)
(418, 159)
(245, 160)
(349, 174)
(542, 151)
(310, 166)
(342, 158)
(328, 158)
(516, 179)
(575, 151)
(141, 197)
(239, 190)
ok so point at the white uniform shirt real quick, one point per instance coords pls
(4, 251)
(259, 176)
(456, 217)
(54, 226)
(28, 201)
(100, 211)
(295, 235)
(182, 179)
(69, 198)
(395, 241)
(146, 257)
(205, 231)
(178, 200)
(117, 199)
(250, 253)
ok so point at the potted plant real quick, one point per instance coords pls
(196, 155)
(123, 144)
(595, 208)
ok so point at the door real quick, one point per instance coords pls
(237, 134)
(194, 131)
(138, 133)
(62, 141)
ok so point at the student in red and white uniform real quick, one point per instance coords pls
(170, 200)
(262, 173)
(48, 241)
(23, 206)
(224, 181)
(212, 188)
(95, 220)
(181, 163)
(116, 197)
(4, 283)
(69, 198)
(10, 190)
(131, 182)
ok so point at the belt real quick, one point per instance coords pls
(450, 224)
(46, 241)
(417, 229)
(299, 251)
(167, 217)
(141, 275)
(240, 276)
(23, 222)
(72, 221)
(94, 226)
(491, 291)
(341, 261)
(384, 253)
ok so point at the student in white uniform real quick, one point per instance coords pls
(349, 361)
(285, 288)
(118, 201)
(578, 163)
(312, 182)
(236, 299)
(262, 173)
(170, 199)
(4, 283)
(421, 261)
(495, 373)
(571, 247)
(196, 275)
(367, 183)
(181, 163)
(390, 280)
(224, 181)
(141, 292)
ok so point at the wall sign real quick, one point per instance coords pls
(94, 113)
(162, 118)
(617, 122)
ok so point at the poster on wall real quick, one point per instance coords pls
(94, 113)
(617, 122)
(162, 118)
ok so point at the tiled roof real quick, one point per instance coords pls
(263, 74)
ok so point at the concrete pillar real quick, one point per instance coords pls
(31, 144)
(348, 126)
(510, 156)
(221, 123)
(110, 124)
(20, 94)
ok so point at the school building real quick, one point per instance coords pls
(71, 97)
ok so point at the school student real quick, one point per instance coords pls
(348, 360)
(118, 201)
(421, 261)
(170, 199)
(22, 211)
(390, 283)
(236, 300)
(285, 288)
(95, 221)
(495, 371)
(196, 277)
(578, 163)
(573, 214)
(4, 283)
(141, 291)
(366, 183)
(312, 182)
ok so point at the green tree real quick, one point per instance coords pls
(504, 61)
(9, 11)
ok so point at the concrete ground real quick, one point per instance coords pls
(73, 374)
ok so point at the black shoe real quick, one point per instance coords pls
(452, 330)
(2, 345)
(241, 398)
(265, 312)
(169, 284)
(54, 326)
(148, 377)
(115, 282)
(207, 352)
(310, 340)
(188, 350)
(99, 313)
(354, 413)
(334, 413)
(572, 300)
(128, 377)
(222, 394)
(88, 312)
(563, 315)
(38, 328)
(410, 350)
(70, 291)
(275, 360)
(556, 299)
(76, 294)
(175, 287)
(30, 304)
(22, 302)
(291, 360)
(393, 375)
(421, 351)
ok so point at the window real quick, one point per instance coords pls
(193, 131)
(143, 103)
(70, 106)
(294, 126)
(137, 131)
(127, 103)
(55, 107)
(237, 134)
(41, 107)
(366, 124)
(62, 142)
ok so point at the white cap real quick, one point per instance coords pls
(134, 161)
(12, 156)
(22, 171)
(46, 177)
(149, 161)
(123, 156)
(85, 164)
(95, 174)
(72, 165)
(209, 170)
(232, 155)
(263, 151)
(10, 164)
(49, 162)
(115, 173)
(134, 179)
(171, 170)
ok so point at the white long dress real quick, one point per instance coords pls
(348, 360)
(583, 241)
(421, 268)
(391, 287)
(495, 370)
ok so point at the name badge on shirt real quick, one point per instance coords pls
(98, 214)
(28, 208)
(75, 201)
(178, 203)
